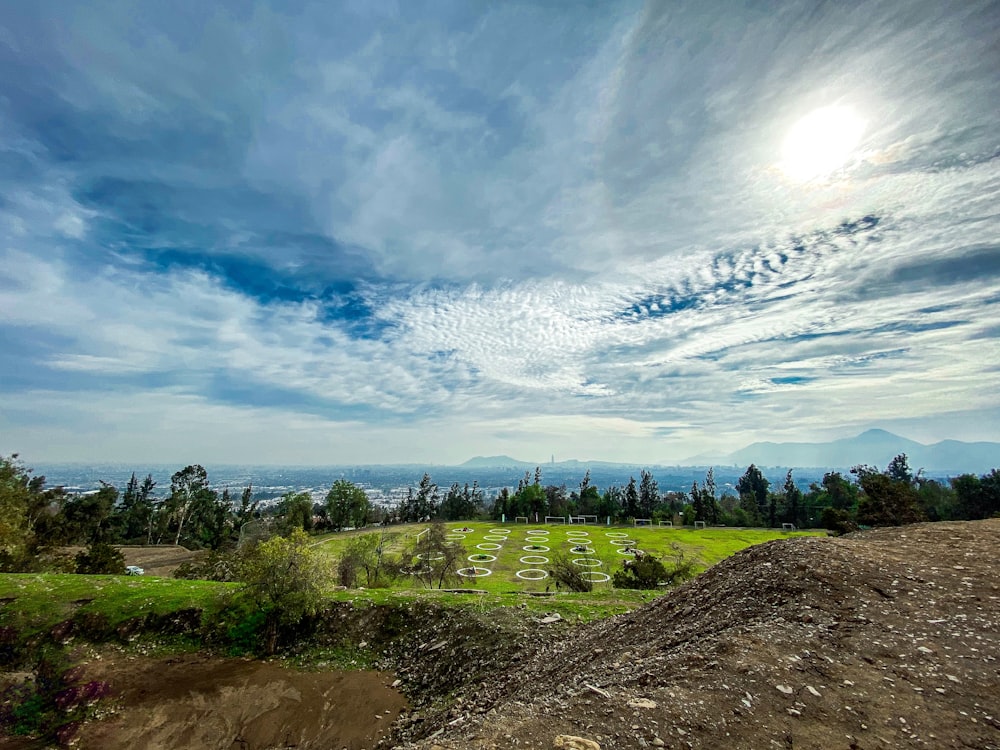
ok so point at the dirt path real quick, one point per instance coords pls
(233, 704)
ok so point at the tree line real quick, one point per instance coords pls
(35, 518)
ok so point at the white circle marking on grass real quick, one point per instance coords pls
(520, 574)
(473, 572)
(603, 577)
(489, 546)
(429, 556)
(495, 538)
(628, 551)
(585, 563)
(623, 542)
(499, 531)
(477, 558)
(535, 548)
(616, 534)
(534, 560)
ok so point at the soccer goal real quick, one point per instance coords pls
(788, 527)
(642, 522)
(583, 520)
(699, 524)
(555, 519)
(520, 519)
(668, 524)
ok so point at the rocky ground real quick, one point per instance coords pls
(884, 639)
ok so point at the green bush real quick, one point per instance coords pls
(569, 575)
(647, 571)
(101, 557)
(838, 521)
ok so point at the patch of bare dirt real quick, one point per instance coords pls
(155, 560)
(211, 703)
(884, 639)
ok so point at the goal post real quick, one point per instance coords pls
(520, 519)
(555, 519)
(699, 524)
(666, 524)
(642, 521)
(788, 527)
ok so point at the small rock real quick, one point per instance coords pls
(657, 742)
(641, 703)
(572, 742)
(785, 689)
(551, 618)
(813, 690)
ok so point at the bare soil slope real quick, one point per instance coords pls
(235, 704)
(884, 639)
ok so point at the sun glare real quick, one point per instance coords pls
(821, 143)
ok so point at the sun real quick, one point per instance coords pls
(821, 143)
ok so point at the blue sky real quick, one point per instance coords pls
(384, 232)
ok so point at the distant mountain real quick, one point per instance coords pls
(876, 447)
(489, 462)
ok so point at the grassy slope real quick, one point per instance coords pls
(32, 603)
(704, 546)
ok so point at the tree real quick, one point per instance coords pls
(697, 502)
(437, 559)
(588, 503)
(188, 487)
(792, 501)
(753, 487)
(460, 503)
(347, 505)
(631, 501)
(649, 494)
(426, 501)
(977, 497)
(709, 492)
(840, 492)
(86, 517)
(283, 578)
(365, 552)
(887, 499)
(296, 511)
(15, 499)
(135, 514)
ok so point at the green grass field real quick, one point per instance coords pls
(34, 603)
(506, 558)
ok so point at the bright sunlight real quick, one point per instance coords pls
(821, 142)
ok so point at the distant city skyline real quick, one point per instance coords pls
(417, 232)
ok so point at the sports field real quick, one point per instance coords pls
(518, 557)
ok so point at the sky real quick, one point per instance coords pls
(386, 232)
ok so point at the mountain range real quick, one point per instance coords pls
(875, 447)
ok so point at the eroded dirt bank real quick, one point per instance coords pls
(235, 704)
(886, 639)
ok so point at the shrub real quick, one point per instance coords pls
(284, 580)
(647, 571)
(218, 566)
(569, 575)
(838, 521)
(101, 557)
(55, 702)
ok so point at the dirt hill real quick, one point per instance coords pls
(884, 639)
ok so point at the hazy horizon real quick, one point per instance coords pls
(388, 233)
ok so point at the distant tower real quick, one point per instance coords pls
(553, 459)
